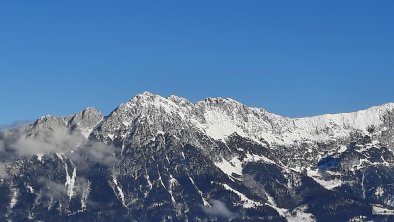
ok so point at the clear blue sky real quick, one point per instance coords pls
(294, 58)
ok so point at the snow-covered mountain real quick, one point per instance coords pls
(218, 118)
(168, 159)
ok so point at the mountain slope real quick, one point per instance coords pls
(167, 159)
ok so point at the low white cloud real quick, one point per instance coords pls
(219, 209)
(2, 146)
(57, 140)
(3, 171)
(14, 125)
(46, 141)
(100, 152)
(94, 153)
(53, 189)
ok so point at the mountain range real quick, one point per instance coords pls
(168, 159)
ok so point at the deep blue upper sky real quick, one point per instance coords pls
(294, 58)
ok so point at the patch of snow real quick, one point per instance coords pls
(380, 210)
(379, 191)
(272, 203)
(168, 160)
(172, 182)
(390, 202)
(39, 156)
(205, 202)
(219, 125)
(30, 216)
(14, 197)
(126, 123)
(111, 136)
(120, 191)
(85, 195)
(328, 184)
(59, 155)
(234, 166)
(247, 203)
(362, 184)
(147, 179)
(359, 218)
(230, 167)
(257, 158)
(160, 180)
(342, 149)
(30, 188)
(299, 215)
(70, 179)
(70, 182)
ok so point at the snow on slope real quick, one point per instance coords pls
(259, 124)
(380, 210)
(219, 118)
(328, 184)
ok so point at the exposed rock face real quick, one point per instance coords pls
(167, 159)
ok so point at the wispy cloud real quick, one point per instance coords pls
(219, 209)
(100, 152)
(3, 171)
(54, 189)
(14, 125)
(18, 143)
(94, 153)
(46, 141)
(2, 146)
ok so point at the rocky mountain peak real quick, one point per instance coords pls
(82, 122)
(85, 120)
(220, 117)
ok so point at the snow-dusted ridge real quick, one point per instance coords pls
(83, 121)
(220, 117)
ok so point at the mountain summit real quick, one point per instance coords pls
(168, 159)
(218, 118)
